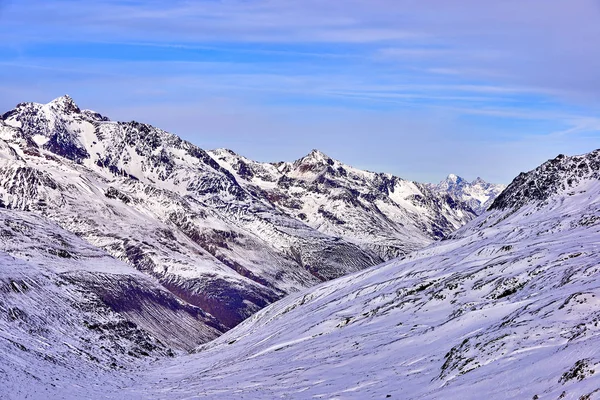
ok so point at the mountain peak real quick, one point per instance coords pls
(223, 151)
(454, 179)
(478, 181)
(65, 103)
(317, 154)
(316, 157)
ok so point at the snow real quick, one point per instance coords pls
(40, 140)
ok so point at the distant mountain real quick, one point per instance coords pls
(479, 194)
(378, 212)
(223, 233)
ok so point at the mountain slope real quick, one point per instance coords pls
(507, 307)
(169, 209)
(165, 206)
(479, 194)
(70, 311)
(378, 212)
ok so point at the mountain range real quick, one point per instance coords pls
(219, 231)
(136, 265)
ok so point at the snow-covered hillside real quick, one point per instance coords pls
(69, 312)
(169, 209)
(507, 308)
(479, 194)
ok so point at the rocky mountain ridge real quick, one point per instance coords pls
(557, 175)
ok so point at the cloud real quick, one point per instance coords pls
(580, 125)
(550, 44)
(480, 81)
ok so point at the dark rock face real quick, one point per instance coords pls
(63, 144)
(218, 297)
(555, 175)
(113, 193)
(27, 183)
(142, 303)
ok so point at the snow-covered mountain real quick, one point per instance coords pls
(506, 308)
(378, 212)
(207, 232)
(479, 194)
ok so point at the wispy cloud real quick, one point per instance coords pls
(580, 125)
(482, 76)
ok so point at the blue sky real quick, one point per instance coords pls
(416, 88)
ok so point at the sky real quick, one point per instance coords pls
(417, 88)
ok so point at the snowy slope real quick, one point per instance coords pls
(69, 311)
(479, 194)
(508, 307)
(378, 212)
